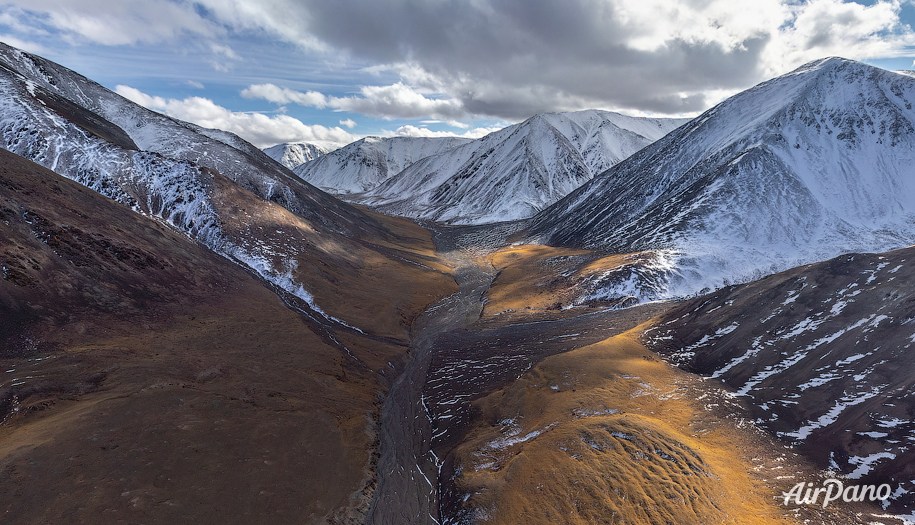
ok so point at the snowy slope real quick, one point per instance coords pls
(517, 171)
(801, 168)
(293, 154)
(152, 132)
(366, 163)
(211, 185)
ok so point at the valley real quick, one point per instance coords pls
(583, 317)
(528, 417)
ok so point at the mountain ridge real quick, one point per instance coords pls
(515, 172)
(794, 170)
(362, 165)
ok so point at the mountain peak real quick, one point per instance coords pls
(292, 154)
(800, 168)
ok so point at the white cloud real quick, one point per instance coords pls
(823, 28)
(348, 122)
(114, 23)
(414, 131)
(257, 128)
(195, 84)
(393, 101)
(512, 58)
(505, 58)
(223, 57)
(279, 95)
(398, 101)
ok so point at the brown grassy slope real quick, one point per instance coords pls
(145, 379)
(532, 278)
(345, 275)
(610, 434)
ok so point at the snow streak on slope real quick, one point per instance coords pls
(366, 163)
(231, 156)
(295, 154)
(803, 167)
(822, 354)
(517, 171)
(39, 121)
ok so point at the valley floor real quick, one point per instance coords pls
(546, 415)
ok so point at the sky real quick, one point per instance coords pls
(332, 71)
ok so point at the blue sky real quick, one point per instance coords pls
(334, 70)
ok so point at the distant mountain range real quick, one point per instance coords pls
(509, 174)
(361, 166)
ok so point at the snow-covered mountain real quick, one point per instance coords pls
(209, 184)
(801, 168)
(292, 154)
(517, 171)
(66, 95)
(366, 163)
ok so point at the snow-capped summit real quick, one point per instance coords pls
(801, 168)
(293, 154)
(366, 163)
(517, 171)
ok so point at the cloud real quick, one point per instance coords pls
(498, 58)
(348, 123)
(414, 131)
(113, 23)
(512, 58)
(26, 45)
(257, 128)
(395, 101)
(833, 27)
(223, 57)
(279, 95)
(398, 101)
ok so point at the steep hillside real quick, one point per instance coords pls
(822, 355)
(222, 192)
(147, 379)
(801, 168)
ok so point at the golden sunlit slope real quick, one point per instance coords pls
(610, 434)
(533, 278)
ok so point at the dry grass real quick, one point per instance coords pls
(536, 278)
(240, 413)
(620, 443)
(379, 282)
(147, 380)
